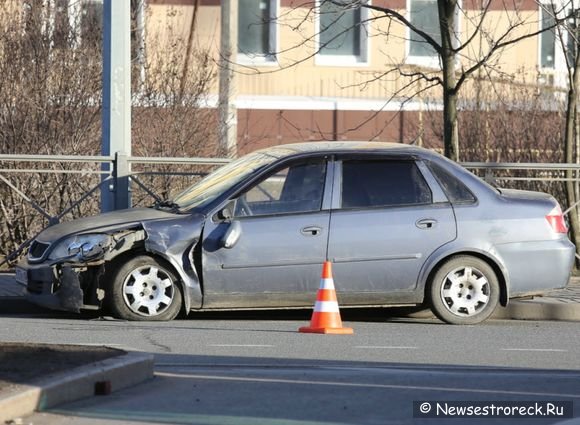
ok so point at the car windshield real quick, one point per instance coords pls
(216, 183)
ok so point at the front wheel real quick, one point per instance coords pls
(464, 291)
(144, 289)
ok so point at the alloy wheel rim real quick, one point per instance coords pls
(465, 291)
(148, 291)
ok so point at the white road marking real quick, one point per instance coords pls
(385, 347)
(547, 350)
(460, 390)
(242, 345)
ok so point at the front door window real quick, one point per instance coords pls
(294, 189)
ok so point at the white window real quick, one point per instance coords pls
(257, 30)
(424, 15)
(61, 30)
(571, 36)
(89, 25)
(342, 33)
(76, 23)
(553, 50)
(547, 39)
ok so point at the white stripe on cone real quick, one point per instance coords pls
(326, 307)
(327, 283)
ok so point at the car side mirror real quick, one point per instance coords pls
(226, 213)
(232, 235)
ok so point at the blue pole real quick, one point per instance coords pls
(116, 115)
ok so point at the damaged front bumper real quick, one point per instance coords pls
(58, 286)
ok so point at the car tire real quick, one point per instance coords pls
(464, 291)
(143, 289)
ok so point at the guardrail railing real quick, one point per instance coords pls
(110, 170)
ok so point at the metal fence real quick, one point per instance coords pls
(101, 174)
(110, 174)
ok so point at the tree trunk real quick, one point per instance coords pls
(450, 129)
(447, 15)
(569, 144)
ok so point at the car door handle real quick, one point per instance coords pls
(311, 231)
(426, 223)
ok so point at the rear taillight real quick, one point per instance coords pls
(557, 221)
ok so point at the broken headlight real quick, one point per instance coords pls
(81, 247)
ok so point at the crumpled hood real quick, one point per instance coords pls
(104, 222)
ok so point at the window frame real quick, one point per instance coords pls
(557, 75)
(541, 11)
(275, 168)
(74, 10)
(269, 59)
(433, 166)
(437, 195)
(363, 59)
(433, 61)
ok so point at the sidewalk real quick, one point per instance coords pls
(561, 304)
(77, 371)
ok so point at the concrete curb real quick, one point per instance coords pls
(121, 372)
(539, 309)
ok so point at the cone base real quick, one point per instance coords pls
(336, 331)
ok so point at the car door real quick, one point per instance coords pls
(386, 221)
(283, 236)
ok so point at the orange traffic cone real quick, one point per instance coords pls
(326, 316)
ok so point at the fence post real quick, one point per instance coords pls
(121, 172)
(116, 113)
(489, 177)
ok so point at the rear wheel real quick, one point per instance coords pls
(464, 291)
(144, 289)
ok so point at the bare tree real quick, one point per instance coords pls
(461, 55)
(50, 103)
(567, 35)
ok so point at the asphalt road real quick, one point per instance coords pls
(237, 369)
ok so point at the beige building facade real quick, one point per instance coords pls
(308, 70)
(311, 70)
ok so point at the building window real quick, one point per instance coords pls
(61, 30)
(342, 33)
(90, 28)
(547, 39)
(77, 23)
(257, 30)
(423, 15)
(556, 49)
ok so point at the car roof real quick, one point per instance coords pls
(346, 147)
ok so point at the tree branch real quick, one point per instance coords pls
(390, 13)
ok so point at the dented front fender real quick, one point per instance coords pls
(176, 240)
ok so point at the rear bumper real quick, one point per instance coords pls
(538, 266)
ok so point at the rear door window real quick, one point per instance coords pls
(383, 183)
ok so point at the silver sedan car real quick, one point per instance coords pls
(402, 226)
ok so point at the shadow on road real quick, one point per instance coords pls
(229, 390)
(17, 306)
